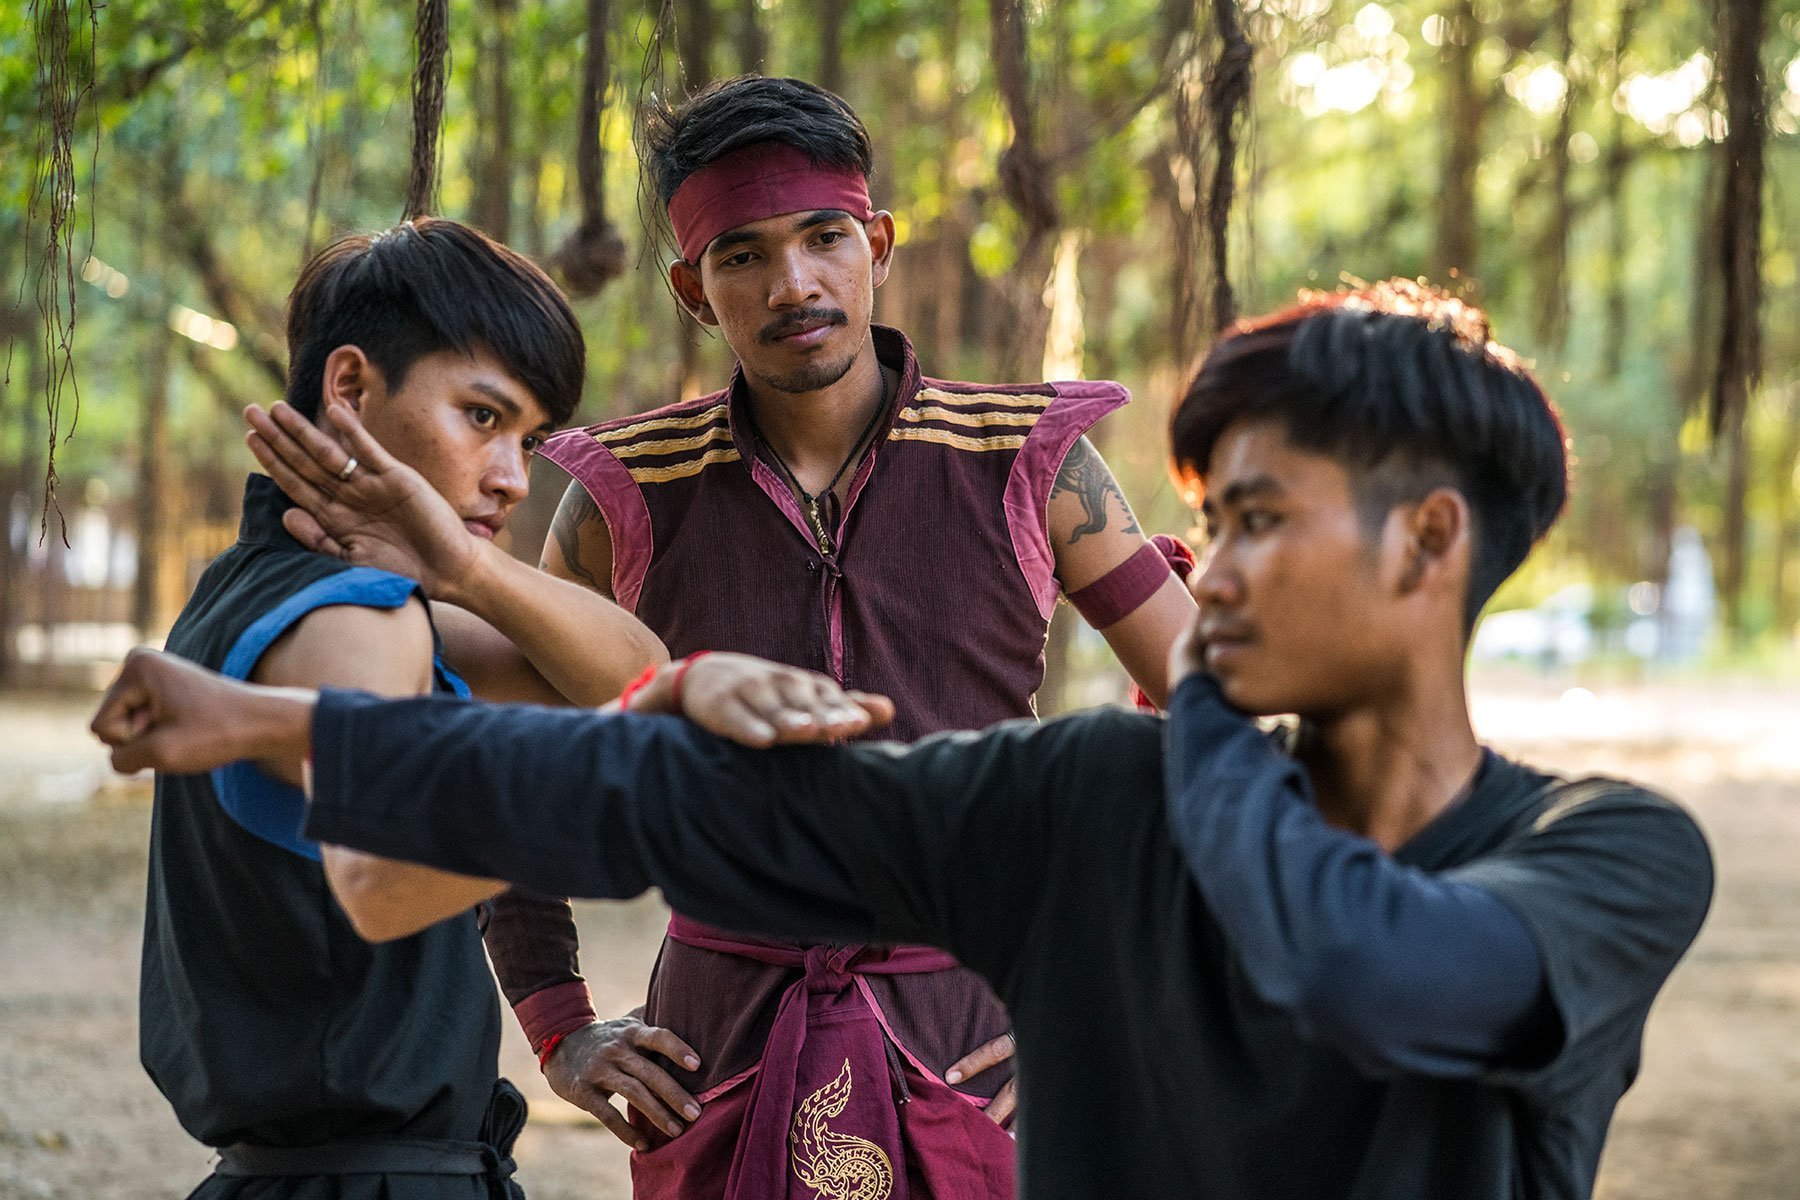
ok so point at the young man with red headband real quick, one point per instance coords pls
(832, 508)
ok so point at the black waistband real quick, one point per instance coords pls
(491, 1157)
(361, 1156)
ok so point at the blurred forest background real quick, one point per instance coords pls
(1081, 187)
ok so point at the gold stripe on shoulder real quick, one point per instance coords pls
(673, 445)
(962, 441)
(978, 420)
(995, 398)
(682, 470)
(623, 432)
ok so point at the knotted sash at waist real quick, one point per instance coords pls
(854, 1033)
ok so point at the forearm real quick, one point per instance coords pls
(1142, 640)
(533, 944)
(1398, 968)
(585, 804)
(583, 645)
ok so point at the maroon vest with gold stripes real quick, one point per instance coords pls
(941, 584)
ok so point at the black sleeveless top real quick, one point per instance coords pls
(263, 1017)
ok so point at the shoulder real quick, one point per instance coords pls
(349, 644)
(672, 442)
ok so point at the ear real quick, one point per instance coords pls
(1436, 532)
(684, 277)
(350, 377)
(880, 229)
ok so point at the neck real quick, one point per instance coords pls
(814, 432)
(1385, 771)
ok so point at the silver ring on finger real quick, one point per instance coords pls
(349, 470)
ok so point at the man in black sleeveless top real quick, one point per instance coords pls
(317, 1064)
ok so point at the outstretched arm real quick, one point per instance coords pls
(1094, 537)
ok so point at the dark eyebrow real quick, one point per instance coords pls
(822, 217)
(510, 405)
(731, 237)
(1241, 490)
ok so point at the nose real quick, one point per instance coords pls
(1216, 582)
(508, 477)
(795, 285)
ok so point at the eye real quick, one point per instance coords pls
(531, 443)
(483, 416)
(1258, 520)
(832, 237)
(741, 258)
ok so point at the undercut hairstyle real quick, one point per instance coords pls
(427, 285)
(1401, 384)
(734, 113)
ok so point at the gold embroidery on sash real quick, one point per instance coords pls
(837, 1166)
(673, 445)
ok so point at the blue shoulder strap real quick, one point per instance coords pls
(265, 806)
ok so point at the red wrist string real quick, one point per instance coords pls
(549, 1048)
(681, 670)
(637, 685)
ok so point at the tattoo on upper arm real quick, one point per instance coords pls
(577, 509)
(1084, 473)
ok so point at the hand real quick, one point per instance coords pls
(1187, 654)
(608, 1058)
(1000, 1050)
(385, 515)
(163, 713)
(760, 703)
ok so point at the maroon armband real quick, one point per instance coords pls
(1122, 590)
(551, 1014)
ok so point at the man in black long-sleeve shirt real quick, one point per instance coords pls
(1372, 960)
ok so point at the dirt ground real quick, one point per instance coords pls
(1715, 1114)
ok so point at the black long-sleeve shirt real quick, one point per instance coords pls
(1216, 994)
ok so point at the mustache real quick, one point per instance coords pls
(799, 318)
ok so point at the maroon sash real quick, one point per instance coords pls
(831, 1111)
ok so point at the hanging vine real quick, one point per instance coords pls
(595, 253)
(65, 81)
(432, 37)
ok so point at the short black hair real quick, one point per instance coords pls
(734, 113)
(1402, 384)
(427, 285)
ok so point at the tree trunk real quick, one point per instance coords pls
(491, 208)
(1465, 110)
(831, 15)
(1618, 163)
(694, 42)
(753, 40)
(1787, 523)
(1553, 298)
(1742, 24)
(153, 481)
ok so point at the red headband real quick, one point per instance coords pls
(757, 182)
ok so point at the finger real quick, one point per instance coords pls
(664, 1087)
(635, 1092)
(295, 441)
(1005, 1103)
(739, 722)
(357, 437)
(764, 696)
(306, 530)
(622, 1129)
(665, 1043)
(124, 712)
(879, 708)
(295, 485)
(980, 1059)
(325, 454)
(834, 707)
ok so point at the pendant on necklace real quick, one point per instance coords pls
(812, 514)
